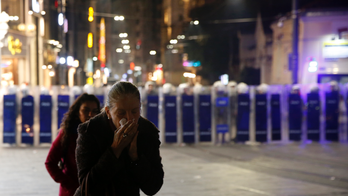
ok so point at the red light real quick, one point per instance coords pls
(56, 3)
(131, 66)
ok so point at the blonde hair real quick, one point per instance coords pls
(118, 90)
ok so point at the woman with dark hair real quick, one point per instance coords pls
(60, 162)
(117, 152)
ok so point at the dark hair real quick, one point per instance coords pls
(73, 115)
(120, 89)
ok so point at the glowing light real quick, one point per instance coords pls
(76, 63)
(189, 75)
(60, 19)
(196, 22)
(120, 61)
(95, 58)
(170, 46)
(62, 60)
(106, 72)
(51, 73)
(49, 66)
(123, 35)
(90, 14)
(125, 41)
(43, 13)
(97, 73)
(137, 68)
(181, 37)
(30, 12)
(90, 40)
(174, 51)
(119, 50)
(119, 18)
(126, 47)
(152, 52)
(129, 71)
(312, 66)
(44, 67)
(173, 41)
(70, 60)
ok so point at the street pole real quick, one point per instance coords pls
(295, 42)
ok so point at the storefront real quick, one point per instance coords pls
(14, 60)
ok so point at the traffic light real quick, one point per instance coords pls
(90, 14)
(90, 40)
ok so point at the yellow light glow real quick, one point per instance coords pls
(90, 40)
(90, 14)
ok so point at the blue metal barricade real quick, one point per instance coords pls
(152, 109)
(295, 117)
(261, 117)
(313, 116)
(188, 120)
(101, 100)
(9, 117)
(331, 108)
(170, 118)
(63, 107)
(276, 117)
(204, 115)
(45, 118)
(221, 115)
(27, 119)
(243, 117)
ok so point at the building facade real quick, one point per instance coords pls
(323, 48)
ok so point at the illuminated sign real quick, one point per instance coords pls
(14, 45)
(90, 40)
(102, 43)
(335, 49)
(191, 63)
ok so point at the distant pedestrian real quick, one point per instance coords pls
(117, 152)
(60, 162)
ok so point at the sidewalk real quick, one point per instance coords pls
(204, 170)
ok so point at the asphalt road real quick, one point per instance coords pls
(293, 169)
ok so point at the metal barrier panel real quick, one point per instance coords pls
(152, 109)
(63, 107)
(188, 119)
(204, 118)
(295, 117)
(170, 119)
(331, 113)
(221, 106)
(313, 116)
(45, 118)
(243, 117)
(101, 100)
(9, 117)
(27, 119)
(276, 117)
(261, 117)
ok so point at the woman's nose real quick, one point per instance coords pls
(129, 116)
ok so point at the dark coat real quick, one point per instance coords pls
(67, 177)
(108, 175)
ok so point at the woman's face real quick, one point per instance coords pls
(127, 107)
(88, 110)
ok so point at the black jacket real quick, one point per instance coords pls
(108, 175)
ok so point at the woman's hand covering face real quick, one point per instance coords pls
(127, 107)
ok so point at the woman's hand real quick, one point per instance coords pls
(123, 137)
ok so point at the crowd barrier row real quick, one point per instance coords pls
(192, 114)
